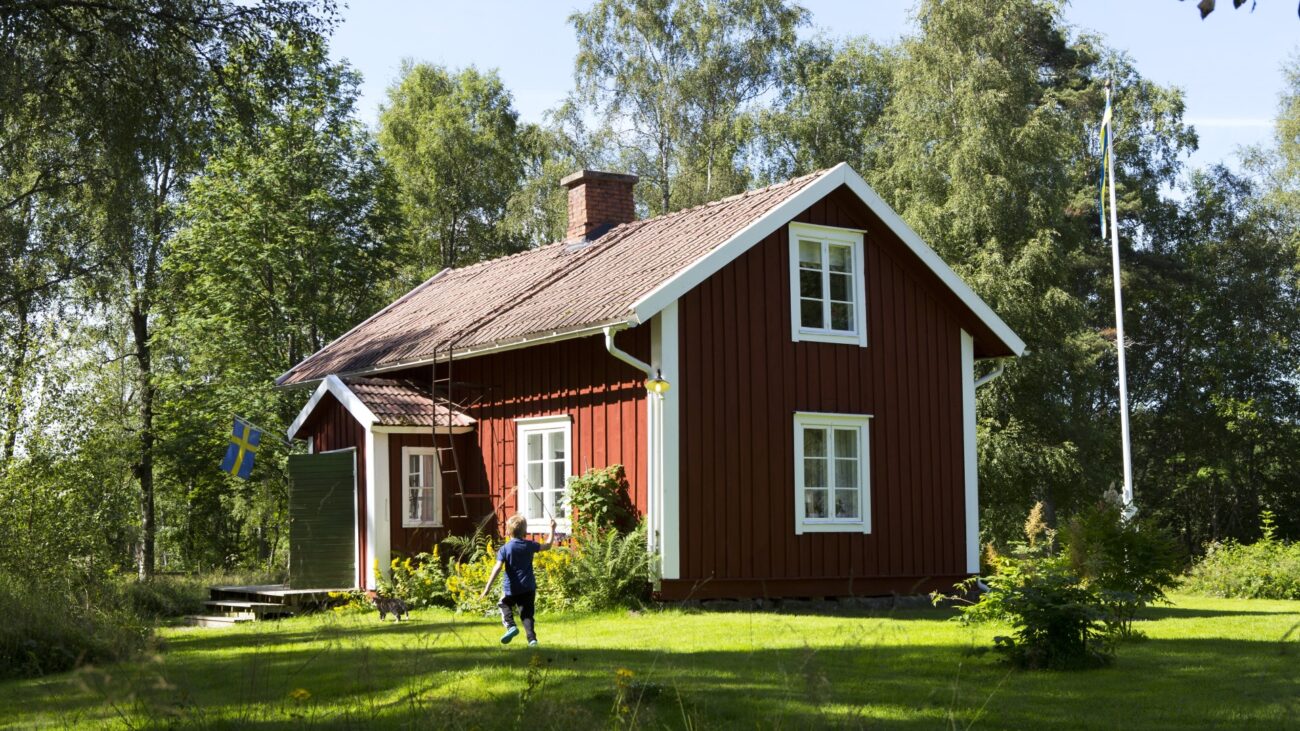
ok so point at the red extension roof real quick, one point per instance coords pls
(402, 403)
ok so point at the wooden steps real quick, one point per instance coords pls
(249, 610)
(213, 620)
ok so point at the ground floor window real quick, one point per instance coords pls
(832, 476)
(422, 491)
(545, 464)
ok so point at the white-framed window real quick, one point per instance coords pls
(421, 488)
(832, 473)
(545, 464)
(827, 285)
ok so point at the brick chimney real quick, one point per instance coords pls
(598, 202)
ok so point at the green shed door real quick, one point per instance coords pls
(322, 520)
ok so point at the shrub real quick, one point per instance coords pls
(1057, 618)
(465, 581)
(420, 581)
(609, 569)
(600, 501)
(1128, 563)
(1058, 621)
(1266, 569)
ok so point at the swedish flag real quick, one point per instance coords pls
(244, 441)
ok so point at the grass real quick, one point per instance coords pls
(1207, 663)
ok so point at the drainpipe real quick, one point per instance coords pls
(610, 331)
(987, 377)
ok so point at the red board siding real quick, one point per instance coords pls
(604, 396)
(742, 380)
(332, 427)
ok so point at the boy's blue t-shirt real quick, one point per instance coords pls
(517, 557)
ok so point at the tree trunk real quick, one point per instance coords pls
(143, 467)
(13, 406)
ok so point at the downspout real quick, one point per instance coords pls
(610, 331)
(987, 377)
(654, 467)
(992, 375)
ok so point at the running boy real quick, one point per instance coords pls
(516, 557)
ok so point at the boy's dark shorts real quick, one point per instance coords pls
(524, 601)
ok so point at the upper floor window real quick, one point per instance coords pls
(827, 285)
(545, 464)
(422, 495)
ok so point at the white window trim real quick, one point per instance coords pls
(829, 234)
(407, 453)
(541, 425)
(803, 524)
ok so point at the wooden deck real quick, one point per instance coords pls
(229, 605)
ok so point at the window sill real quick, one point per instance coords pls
(421, 525)
(835, 338)
(857, 526)
(542, 525)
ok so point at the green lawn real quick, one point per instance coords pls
(1207, 663)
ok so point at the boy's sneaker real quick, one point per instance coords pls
(532, 643)
(509, 635)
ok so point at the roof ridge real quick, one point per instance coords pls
(632, 225)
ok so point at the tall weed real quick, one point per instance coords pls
(1266, 569)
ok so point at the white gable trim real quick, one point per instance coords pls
(762, 227)
(334, 385)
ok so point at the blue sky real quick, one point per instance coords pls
(1229, 66)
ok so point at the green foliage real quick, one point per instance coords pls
(1058, 617)
(600, 500)
(1266, 569)
(420, 581)
(1058, 621)
(51, 627)
(1128, 563)
(609, 569)
(437, 122)
(465, 581)
(164, 596)
(675, 80)
(1223, 317)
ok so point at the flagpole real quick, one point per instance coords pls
(1119, 319)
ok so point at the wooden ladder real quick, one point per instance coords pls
(451, 468)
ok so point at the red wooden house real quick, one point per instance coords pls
(817, 436)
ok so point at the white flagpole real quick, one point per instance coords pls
(1129, 510)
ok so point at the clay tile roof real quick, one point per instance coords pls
(402, 403)
(555, 288)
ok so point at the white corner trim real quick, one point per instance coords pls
(334, 385)
(852, 238)
(970, 458)
(664, 415)
(803, 524)
(709, 264)
(379, 543)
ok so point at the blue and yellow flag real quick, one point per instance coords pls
(244, 441)
(1105, 161)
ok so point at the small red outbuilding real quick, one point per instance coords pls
(817, 435)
